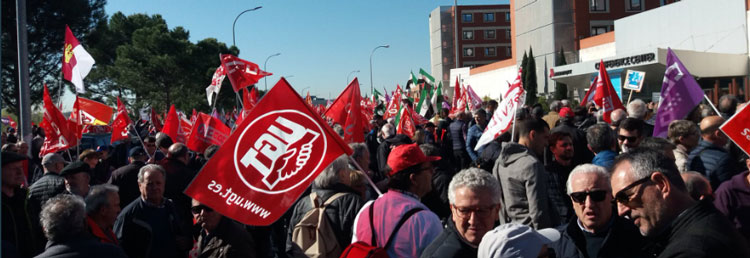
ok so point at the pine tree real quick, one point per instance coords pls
(561, 90)
(524, 62)
(530, 83)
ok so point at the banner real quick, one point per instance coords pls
(92, 112)
(269, 161)
(207, 131)
(346, 111)
(58, 135)
(503, 116)
(680, 93)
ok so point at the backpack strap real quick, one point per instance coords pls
(398, 226)
(373, 240)
(333, 198)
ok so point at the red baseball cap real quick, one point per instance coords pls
(566, 112)
(407, 155)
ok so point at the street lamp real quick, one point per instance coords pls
(265, 80)
(235, 21)
(350, 74)
(373, 52)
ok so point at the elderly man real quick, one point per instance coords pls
(474, 196)
(63, 219)
(603, 143)
(649, 190)
(710, 157)
(102, 208)
(596, 232)
(220, 237)
(518, 241)
(332, 188)
(630, 134)
(523, 180)
(553, 116)
(77, 176)
(150, 225)
(126, 177)
(639, 110)
(50, 184)
(410, 179)
(617, 116)
(685, 135)
(179, 175)
(18, 234)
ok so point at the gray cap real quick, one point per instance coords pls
(516, 240)
(52, 158)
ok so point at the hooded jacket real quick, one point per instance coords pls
(523, 182)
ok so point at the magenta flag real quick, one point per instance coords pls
(680, 93)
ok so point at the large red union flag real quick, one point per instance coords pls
(241, 73)
(269, 160)
(206, 131)
(738, 129)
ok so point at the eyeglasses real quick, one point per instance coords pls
(596, 196)
(197, 209)
(465, 212)
(629, 138)
(624, 198)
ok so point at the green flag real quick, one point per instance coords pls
(427, 76)
(414, 80)
(424, 102)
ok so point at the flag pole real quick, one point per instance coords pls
(366, 176)
(140, 139)
(712, 105)
(513, 129)
(631, 95)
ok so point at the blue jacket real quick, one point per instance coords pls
(472, 137)
(604, 158)
(712, 161)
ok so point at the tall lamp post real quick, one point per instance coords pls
(373, 52)
(350, 74)
(265, 80)
(235, 22)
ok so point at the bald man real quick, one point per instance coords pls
(711, 158)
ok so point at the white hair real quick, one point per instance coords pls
(475, 179)
(637, 109)
(330, 174)
(388, 130)
(584, 169)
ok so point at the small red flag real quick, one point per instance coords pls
(176, 126)
(345, 111)
(395, 105)
(91, 112)
(269, 161)
(207, 130)
(121, 124)
(737, 129)
(155, 120)
(605, 96)
(241, 73)
(456, 95)
(406, 122)
(57, 129)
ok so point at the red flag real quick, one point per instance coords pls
(456, 95)
(605, 96)
(13, 124)
(345, 111)
(176, 126)
(155, 120)
(76, 119)
(121, 123)
(92, 112)
(737, 130)
(460, 104)
(308, 99)
(241, 73)
(193, 117)
(406, 122)
(272, 157)
(207, 130)
(395, 105)
(58, 135)
(590, 94)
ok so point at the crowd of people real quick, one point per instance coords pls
(561, 183)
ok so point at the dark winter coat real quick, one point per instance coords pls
(82, 246)
(712, 161)
(126, 179)
(572, 243)
(229, 239)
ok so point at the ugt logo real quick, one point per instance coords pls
(279, 150)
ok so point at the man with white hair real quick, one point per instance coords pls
(638, 109)
(596, 232)
(474, 196)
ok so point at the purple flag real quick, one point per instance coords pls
(680, 93)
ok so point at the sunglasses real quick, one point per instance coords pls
(197, 209)
(596, 196)
(624, 198)
(629, 138)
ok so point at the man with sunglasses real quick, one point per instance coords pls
(648, 189)
(596, 232)
(220, 236)
(630, 134)
(474, 196)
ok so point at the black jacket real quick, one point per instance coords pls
(136, 228)
(48, 186)
(230, 239)
(572, 243)
(437, 199)
(19, 226)
(341, 214)
(81, 246)
(126, 178)
(449, 244)
(700, 231)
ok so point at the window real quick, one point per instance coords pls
(633, 5)
(596, 30)
(489, 34)
(444, 28)
(469, 34)
(507, 16)
(507, 34)
(467, 17)
(489, 51)
(489, 17)
(468, 51)
(507, 52)
(598, 5)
